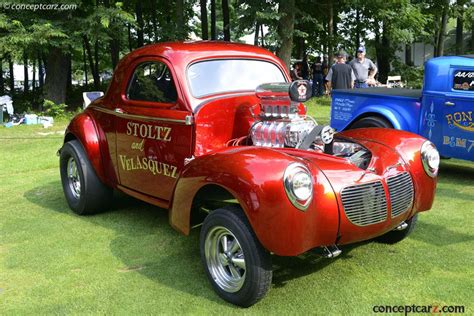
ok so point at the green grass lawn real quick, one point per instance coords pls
(130, 261)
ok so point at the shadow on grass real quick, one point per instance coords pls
(439, 235)
(146, 244)
(456, 171)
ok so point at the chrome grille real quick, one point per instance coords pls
(400, 188)
(365, 204)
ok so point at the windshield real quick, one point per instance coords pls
(229, 75)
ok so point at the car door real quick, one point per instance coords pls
(458, 108)
(153, 129)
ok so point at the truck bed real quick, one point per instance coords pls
(393, 92)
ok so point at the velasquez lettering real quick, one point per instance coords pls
(153, 166)
(149, 131)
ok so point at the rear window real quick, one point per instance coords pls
(463, 80)
(230, 75)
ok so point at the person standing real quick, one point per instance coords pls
(364, 69)
(296, 72)
(340, 75)
(318, 79)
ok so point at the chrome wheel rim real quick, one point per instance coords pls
(225, 259)
(73, 178)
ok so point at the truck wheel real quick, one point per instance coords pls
(237, 265)
(83, 190)
(395, 236)
(371, 121)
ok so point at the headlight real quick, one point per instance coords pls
(298, 185)
(430, 158)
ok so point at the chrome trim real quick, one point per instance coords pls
(432, 172)
(225, 259)
(401, 192)
(402, 226)
(365, 204)
(189, 120)
(287, 183)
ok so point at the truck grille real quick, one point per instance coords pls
(400, 188)
(365, 204)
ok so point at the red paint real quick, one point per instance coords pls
(120, 144)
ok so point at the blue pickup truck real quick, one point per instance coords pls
(442, 111)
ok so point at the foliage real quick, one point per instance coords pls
(411, 75)
(55, 110)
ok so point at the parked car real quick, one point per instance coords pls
(441, 112)
(216, 133)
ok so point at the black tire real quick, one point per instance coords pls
(91, 196)
(257, 274)
(395, 236)
(371, 121)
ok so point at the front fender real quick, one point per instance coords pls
(400, 117)
(83, 128)
(408, 146)
(254, 176)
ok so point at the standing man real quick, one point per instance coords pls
(318, 79)
(340, 75)
(364, 69)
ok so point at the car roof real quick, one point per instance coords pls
(186, 52)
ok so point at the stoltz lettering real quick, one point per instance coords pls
(153, 166)
(149, 131)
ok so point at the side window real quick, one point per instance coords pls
(463, 80)
(153, 82)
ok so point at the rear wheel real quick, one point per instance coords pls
(395, 236)
(84, 191)
(372, 121)
(237, 265)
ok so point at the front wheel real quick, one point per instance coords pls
(395, 236)
(237, 265)
(84, 191)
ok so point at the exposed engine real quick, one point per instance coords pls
(280, 125)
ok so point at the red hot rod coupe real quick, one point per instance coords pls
(217, 134)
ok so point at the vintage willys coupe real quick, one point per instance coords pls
(215, 133)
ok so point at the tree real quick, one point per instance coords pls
(460, 27)
(204, 24)
(226, 19)
(285, 29)
(442, 31)
(213, 20)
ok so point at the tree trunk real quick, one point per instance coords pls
(442, 31)
(226, 19)
(180, 25)
(154, 22)
(2, 80)
(33, 80)
(69, 73)
(114, 52)
(408, 52)
(25, 72)
(130, 42)
(261, 32)
(330, 31)
(384, 54)
(285, 29)
(40, 72)
(357, 35)
(459, 29)
(213, 20)
(140, 24)
(204, 24)
(257, 31)
(84, 61)
(12, 76)
(56, 76)
(94, 65)
(472, 36)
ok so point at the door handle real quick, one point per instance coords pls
(449, 103)
(118, 110)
